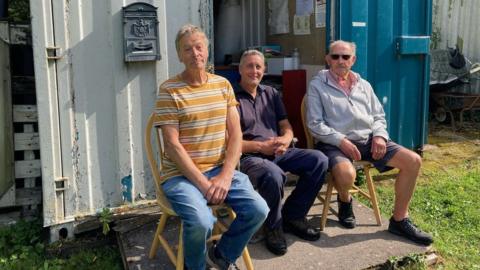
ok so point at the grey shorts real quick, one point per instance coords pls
(335, 155)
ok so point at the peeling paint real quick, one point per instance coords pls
(206, 23)
(127, 188)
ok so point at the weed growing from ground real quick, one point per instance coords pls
(22, 248)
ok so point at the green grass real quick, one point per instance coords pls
(22, 248)
(447, 204)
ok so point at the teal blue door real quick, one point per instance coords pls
(392, 38)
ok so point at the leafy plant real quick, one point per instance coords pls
(22, 248)
(410, 262)
(105, 219)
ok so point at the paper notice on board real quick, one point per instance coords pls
(303, 7)
(278, 20)
(320, 13)
(301, 25)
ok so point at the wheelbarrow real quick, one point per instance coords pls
(450, 102)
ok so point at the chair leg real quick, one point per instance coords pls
(247, 259)
(373, 196)
(158, 232)
(180, 257)
(326, 203)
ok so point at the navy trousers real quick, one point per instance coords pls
(268, 177)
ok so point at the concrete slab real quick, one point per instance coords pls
(338, 248)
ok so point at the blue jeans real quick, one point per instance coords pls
(191, 206)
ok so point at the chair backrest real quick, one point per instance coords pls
(150, 128)
(308, 135)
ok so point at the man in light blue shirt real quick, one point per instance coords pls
(346, 118)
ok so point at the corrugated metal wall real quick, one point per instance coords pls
(457, 22)
(93, 106)
(253, 23)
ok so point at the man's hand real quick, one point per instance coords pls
(350, 149)
(281, 145)
(268, 147)
(219, 187)
(379, 147)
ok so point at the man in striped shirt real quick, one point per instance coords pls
(196, 111)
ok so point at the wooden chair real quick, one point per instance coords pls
(167, 211)
(363, 165)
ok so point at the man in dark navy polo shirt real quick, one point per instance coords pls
(267, 135)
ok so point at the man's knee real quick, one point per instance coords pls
(200, 222)
(408, 160)
(344, 172)
(273, 178)
(258, 210)
(414, 161)
(262, 172)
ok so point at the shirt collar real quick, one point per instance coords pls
(260, 90)
(351, 75)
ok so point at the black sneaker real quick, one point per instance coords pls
(345, 214)
(275, 240)
(301, 228)
(407, 229)
(216, 261)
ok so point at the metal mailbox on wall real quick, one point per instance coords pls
(140, 30)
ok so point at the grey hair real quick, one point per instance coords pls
(352, 45)
(251, 52)
(186, 30)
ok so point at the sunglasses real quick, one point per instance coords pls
(337, 56)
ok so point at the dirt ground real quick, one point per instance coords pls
(447, 147)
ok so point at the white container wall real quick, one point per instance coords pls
(93, 106)
(456, 22)
(180, 12)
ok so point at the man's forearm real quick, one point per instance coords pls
(234, 150)
(251, 146)
(186, 166)
(287, 135)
